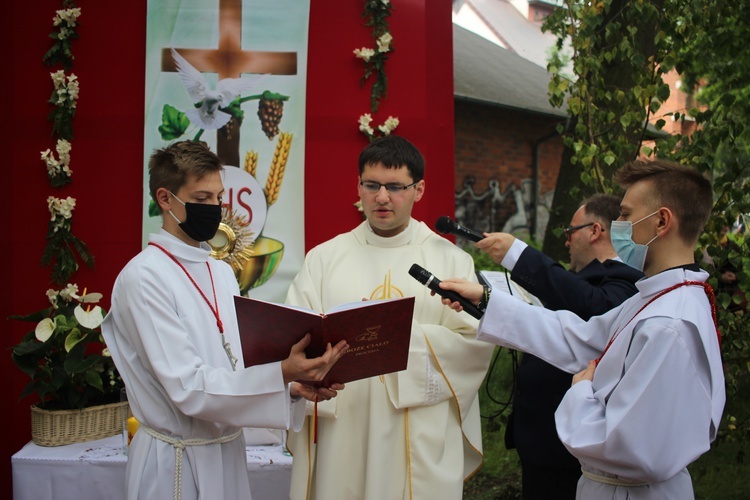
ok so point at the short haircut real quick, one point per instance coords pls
(603, 207)
(680, 188)
(393, 152)
(170, 167)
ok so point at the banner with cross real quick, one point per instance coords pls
(232, 73)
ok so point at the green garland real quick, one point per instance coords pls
(62, 246)
(376, 14)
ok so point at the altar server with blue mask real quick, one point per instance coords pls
(628, 250)
(648, 393)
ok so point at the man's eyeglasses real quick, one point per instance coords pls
(392, 188)
(572, 229)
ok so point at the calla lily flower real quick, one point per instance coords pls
(89, 319)
(44, 329)
(90, 298)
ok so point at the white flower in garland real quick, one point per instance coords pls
(58, 78)
(364, 53)
(384, 42)
(67, 89)
(61, 211)
(64, 98)
(60, 166)
(376, 14)
(389, 126)
(386, 128)
(68, 17)
(364, 124)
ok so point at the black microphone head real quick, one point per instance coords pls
(419, 273)
(445, 225)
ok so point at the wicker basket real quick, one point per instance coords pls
(61, 427)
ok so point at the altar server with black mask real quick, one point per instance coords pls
(172, 332)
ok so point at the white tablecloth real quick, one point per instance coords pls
(95, 470)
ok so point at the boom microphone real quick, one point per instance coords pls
(430, 281)
(446, 225)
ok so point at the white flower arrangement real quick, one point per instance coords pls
(66, 20)
(64, 23)
(62, 245)
(389, 126)
(364, 53)
(64, 98)
(66, 89)
(90, 317)
(58, 169)
(376, 13)
(386, 128)
(384, 42)
(64, 373)
(364, 124)
(61, 211)
(65, 355)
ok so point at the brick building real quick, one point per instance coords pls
(507, 148)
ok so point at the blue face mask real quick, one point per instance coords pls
(621, 235)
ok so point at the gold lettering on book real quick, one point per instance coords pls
(363, 350)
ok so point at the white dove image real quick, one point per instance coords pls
(208, 116)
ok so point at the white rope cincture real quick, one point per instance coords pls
(612, 481)
(179, 450)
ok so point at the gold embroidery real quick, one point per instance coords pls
(386, 290)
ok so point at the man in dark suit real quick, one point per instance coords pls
(599, 281)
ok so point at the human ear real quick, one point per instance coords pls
(665, 220)
(163, 199)
(596, 231)
(420, 190)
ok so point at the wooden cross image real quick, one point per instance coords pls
(230, 61)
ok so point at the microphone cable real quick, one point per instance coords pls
(493, 424)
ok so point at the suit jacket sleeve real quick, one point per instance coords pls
(594, 290)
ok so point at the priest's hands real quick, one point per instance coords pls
(587, 374)
(298, 367)
(314, 393)
(467, 289)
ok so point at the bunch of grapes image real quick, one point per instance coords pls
(270, 111)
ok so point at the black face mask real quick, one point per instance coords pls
(201, 220)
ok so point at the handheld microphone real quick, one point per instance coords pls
(430, 281)
(446, 225)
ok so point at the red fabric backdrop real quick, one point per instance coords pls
(108, 144)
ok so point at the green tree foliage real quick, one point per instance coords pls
(618, 59)
(621, 49)
(712, 56)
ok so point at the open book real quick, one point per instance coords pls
(500, 280)
(377, 331)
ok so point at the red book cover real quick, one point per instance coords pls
(378, 333)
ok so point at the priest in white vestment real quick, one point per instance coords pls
(413, 434)
(172, 332)
(651, 394)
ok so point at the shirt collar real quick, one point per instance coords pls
(179, 248)
(401, 239)
(658, 282)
